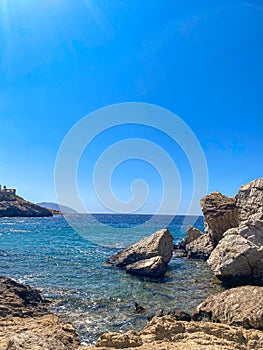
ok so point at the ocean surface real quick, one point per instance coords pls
(68, 266)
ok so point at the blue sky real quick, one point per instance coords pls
(63, 59)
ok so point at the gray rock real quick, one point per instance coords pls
(251, 229)
(200, 248)
(159, 243)
(236, 259)
(242, 306)
(153, 267)
(220, 214)
(250, 199)
(192, 234)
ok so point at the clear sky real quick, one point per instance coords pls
(63, 59)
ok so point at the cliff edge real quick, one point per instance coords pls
(12, 205)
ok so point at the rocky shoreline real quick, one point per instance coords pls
(232, 245)
(229, 320)
(233, 240)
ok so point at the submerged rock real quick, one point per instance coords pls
(168, 333)
(220, 214)
(241, 306)
(153, 267)
(158, 245)
(237, 260)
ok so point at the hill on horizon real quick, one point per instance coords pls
(55, 206)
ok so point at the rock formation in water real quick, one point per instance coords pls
(148, 257)
(220, 214)
(12, 205)
(200, 248)
(233, 242)
(238, 258)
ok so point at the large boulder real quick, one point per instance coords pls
(237, 260)
(220, 214)
(168, 333)
(200, 248)
(250, 199)
(192, 234)
(159, 243)
(153, 267)
(241, 306)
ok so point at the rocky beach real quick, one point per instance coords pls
(233, 319)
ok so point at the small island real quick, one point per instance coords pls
(12, 205)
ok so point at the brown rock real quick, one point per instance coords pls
(241, 306)
(167, 333)
(26, 324)
(153, 267)
(220, 214)
(12, 205)
(250, 199)
(159, 243)
(20, 300)
(37, 333)
(192, 234)
(200, 248)
(116, 340)
(236, 259)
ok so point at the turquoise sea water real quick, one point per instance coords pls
(68, 266)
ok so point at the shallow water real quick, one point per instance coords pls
(69, 267)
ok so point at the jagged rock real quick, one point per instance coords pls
(153, 267)
(251, 229)
(237, 260)
(159, 243)
(26, 324)
(250, 199)
(241, 306)
(168, 333)
(220, 214)
(20, 300)
(200, 248)
(37, 333)
(179, 315)
(12, 205)
(130, 339)
(191, 235)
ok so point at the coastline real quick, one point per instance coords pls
(26, 323)
(232, 319)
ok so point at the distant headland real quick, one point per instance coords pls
(12, 205)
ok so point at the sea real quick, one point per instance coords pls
(64, 257)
